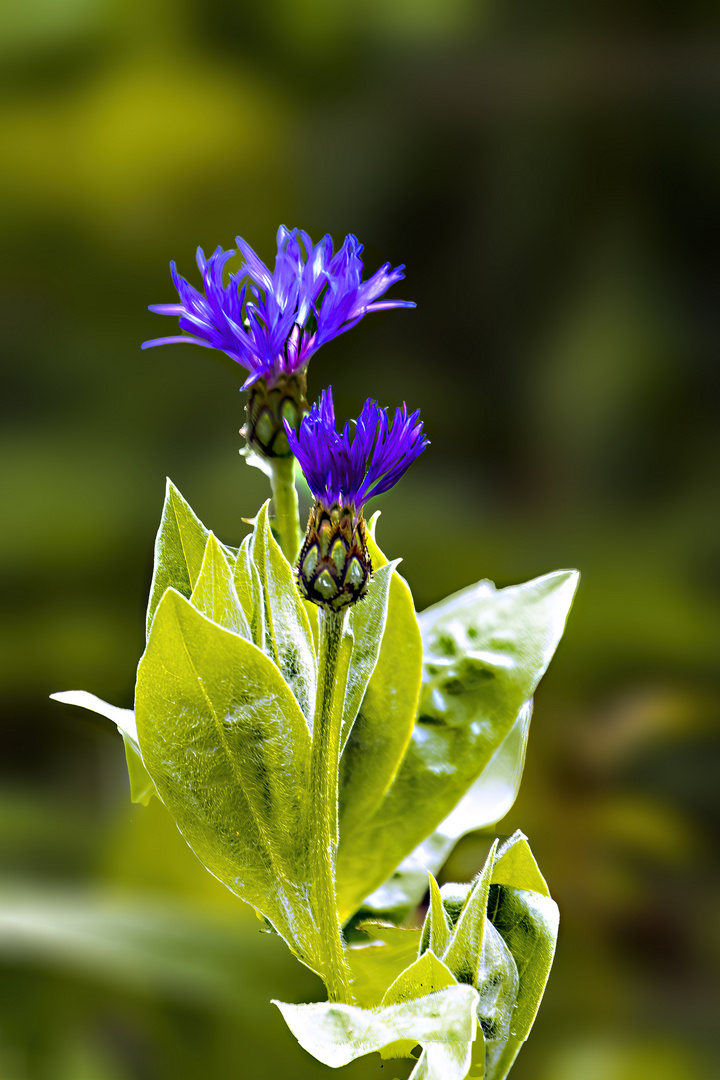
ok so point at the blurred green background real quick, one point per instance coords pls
(549, 174)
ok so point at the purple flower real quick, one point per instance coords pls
(273, 323)
(347, 468)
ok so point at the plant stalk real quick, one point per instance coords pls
(285, 502)
(324, 762)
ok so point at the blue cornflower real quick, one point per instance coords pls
(343, 471)
(272, 324)
(350, 468)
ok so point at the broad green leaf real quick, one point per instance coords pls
(528, 923)
(443, 1023)
(287, 628)
(379, 737)
(179, 550)
(487, 801)
(463, 952)
(142, 788)
(228, 750)
(366, 622)
(516, 866)
(485, 652)
(437, 927)
(215, 595)
(376, 966)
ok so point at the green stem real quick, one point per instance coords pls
(324, 762)
(285, 501)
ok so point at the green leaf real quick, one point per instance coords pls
(463, 952)
(379, 737)
(142, 788)
(437, 927)
(366, 623)
(377, 965)
(215, 595)
(443, 1023)
(179, 550)
(516, 866)
(228, 750)
(424, 976)
(250, 592)
(485, 652)
(487, 801)
(528, 923)
(497, 986)
(289, 640)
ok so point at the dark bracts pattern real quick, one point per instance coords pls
(334, 567)
(267, 408)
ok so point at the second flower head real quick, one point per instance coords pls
(344, 470)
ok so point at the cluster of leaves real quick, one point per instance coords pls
(467, 986)
(434, 715)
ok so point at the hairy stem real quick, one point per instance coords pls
(285, 502)
(324, 763)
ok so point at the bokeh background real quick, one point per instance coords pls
(548, 172)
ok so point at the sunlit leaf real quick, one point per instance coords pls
(375, 966)
(250, 592)
(487, 801)
(425, 975)
(437, 927)
(289, 640)
(497, 984)
(516, 866)
(228, 749)
(179, 550)
(215, 595)
(443, 1023)
(528, 923)
(463, 952)
(384, 723)
(366, 622)
(485, 652)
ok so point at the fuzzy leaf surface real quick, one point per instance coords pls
(487, 801)
(443, 1023)
(228, 749)
(250, 592)
(214, 594)
(485, 651)
(380, 734)
(366, 622)
(288, 636)
(464, 950)
(179, 550)
(528, 923)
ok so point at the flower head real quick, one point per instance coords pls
(273, 323)
(343, 470)
(351, 467)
